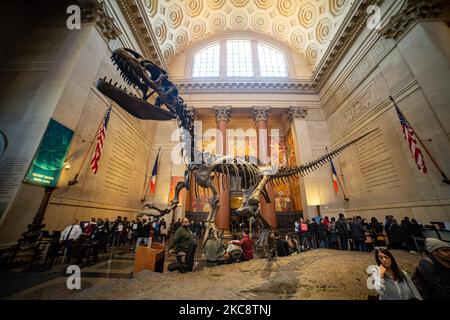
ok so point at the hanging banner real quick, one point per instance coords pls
(49, 159)
(173, 183)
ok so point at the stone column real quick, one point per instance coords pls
(260, 115)
(223, 214)
(303, 151)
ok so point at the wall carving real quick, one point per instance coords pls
(297, 113)
(142, 31)
(287, 87)
(96, 13)
(411, 12)
(359, 106)
(362, 70)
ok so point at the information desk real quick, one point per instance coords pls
(150, 258)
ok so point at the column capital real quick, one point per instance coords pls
(412, 11)
(260, 113)
(95, 12)
(297, 112)
(222, 113)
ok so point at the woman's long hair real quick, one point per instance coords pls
(394, 266)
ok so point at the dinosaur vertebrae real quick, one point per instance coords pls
(287, 174)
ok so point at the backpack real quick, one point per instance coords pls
(303, 227)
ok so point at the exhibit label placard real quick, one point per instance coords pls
(49, 159)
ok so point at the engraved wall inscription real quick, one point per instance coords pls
(377, 166)
(120, 166)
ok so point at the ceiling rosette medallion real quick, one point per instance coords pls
(287, 7)
(175, 16)
(215, 4)
(198, 29)
(323, 30)
(280, 28)
(217, 22)
(264, 4)
(239, 3)
(151, 6)
(260, 21)
(238, 20)
(307, 15)
(298, 39)
(181, 40)
(337, 6)
(194, 7)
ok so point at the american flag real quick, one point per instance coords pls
(101, 134)
(409, 135)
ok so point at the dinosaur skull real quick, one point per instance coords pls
(145, 77)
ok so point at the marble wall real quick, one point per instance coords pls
(379, 174)
(62, 86)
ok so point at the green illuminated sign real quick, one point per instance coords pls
(49, 159)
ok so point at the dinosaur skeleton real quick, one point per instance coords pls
(208, 170)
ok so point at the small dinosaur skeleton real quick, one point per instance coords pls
(208, 170)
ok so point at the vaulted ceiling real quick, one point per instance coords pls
(307, 26)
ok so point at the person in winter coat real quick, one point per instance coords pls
(357, 233)
(333, 235)
(341, 226)
(323, 234)
(432, 275)
(396, 235)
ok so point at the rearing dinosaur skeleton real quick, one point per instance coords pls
(148, 79)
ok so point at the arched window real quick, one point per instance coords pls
(206, 62)
(239, 58)
(272, 62)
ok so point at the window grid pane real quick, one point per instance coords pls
(239, 58)
(206, 62)
(271, 62)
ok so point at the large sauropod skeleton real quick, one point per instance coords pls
(209, 170)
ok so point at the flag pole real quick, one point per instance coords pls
(74, 181)
(444, 177)
(340, 185)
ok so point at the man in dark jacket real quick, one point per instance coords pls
(182, 238)
(181, 241)
(357, 232)
(432, 276)
(143, 233)
(396, 235)
(407, 228)
(341, 226)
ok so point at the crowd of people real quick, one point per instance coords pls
(430, 280)
(356, 233)
(101, 234)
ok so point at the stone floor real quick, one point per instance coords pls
(317, 274)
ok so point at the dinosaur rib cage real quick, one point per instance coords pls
(245, 175)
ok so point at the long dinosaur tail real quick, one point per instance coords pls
(299, 171)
